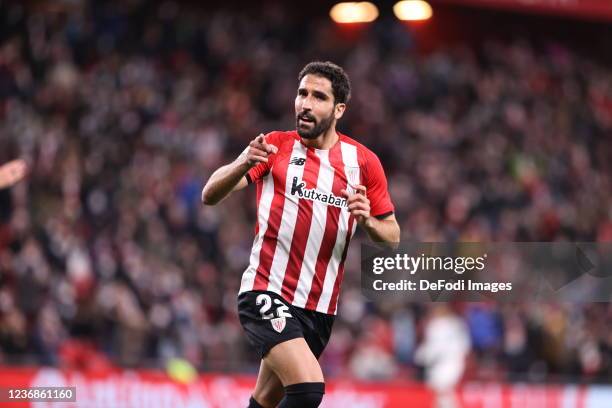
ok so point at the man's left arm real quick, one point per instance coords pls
(371, 202)
(384, 230)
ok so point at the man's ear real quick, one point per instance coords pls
(339, 110)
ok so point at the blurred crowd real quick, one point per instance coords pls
(123, 109)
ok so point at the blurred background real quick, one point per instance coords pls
(493, 120)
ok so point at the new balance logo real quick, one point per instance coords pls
(298, 161)
(298, 188)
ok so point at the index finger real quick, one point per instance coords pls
(270, 148)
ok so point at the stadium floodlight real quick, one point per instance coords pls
(354, 12)
(412, 10)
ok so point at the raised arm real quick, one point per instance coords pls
(231, 177)
(12, 172)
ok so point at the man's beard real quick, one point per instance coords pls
(319, 127)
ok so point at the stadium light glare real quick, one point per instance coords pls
(354, 12)
(412, 10)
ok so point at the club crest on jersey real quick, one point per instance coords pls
(298, 189)
(279, 323)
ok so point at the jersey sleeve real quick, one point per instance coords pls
(259, 171)
(377, 189)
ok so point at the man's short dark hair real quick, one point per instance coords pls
(341, 86)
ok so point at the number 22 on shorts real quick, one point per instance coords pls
(265, 300)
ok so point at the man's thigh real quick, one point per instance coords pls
(293, 362)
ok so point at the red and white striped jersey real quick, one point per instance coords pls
(303, 223)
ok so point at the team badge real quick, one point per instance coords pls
(278, 324)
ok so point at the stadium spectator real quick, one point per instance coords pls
(443, 352)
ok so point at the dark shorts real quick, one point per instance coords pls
(269, 320)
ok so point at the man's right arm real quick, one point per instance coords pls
(231, 177)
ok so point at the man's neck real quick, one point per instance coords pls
(324, 141)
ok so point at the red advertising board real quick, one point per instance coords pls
(150, 389)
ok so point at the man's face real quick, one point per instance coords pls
(315, 110)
